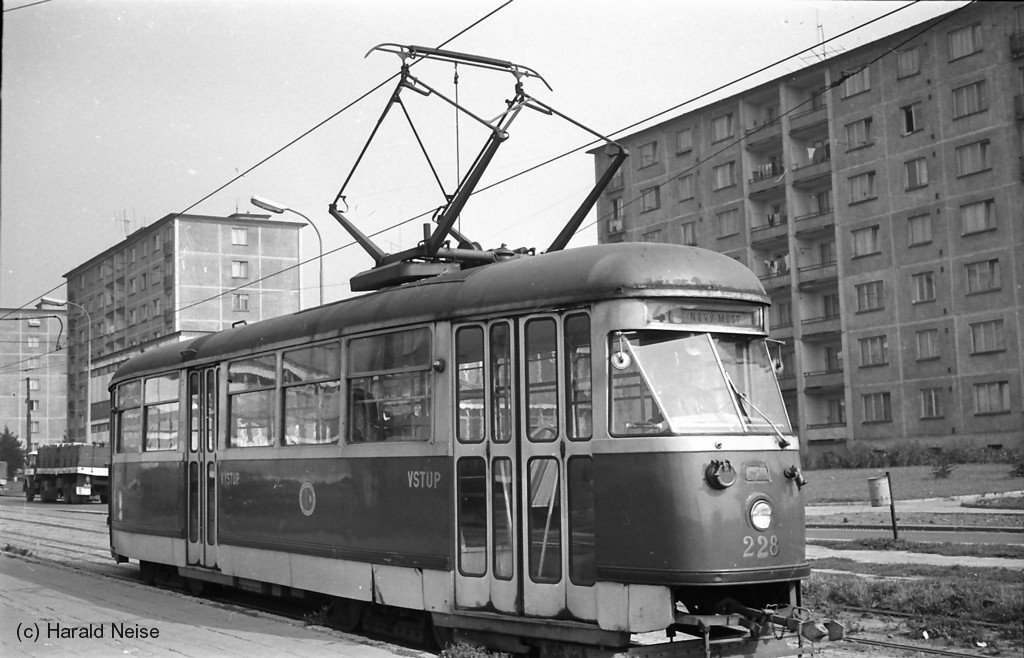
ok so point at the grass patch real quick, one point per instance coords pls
(463, 650)
(994, 596)
(845, 485)
(1011, 551)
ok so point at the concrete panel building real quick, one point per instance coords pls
(33, 373)
(180, 277)
(878, 194)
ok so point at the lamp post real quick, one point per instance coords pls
(277, 208)
(88, 362)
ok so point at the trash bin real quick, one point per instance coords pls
(878, 488)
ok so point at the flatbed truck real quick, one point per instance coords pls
(76, 472)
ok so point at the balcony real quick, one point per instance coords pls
(821, 381)
(775, 280)
(812, 276)
(764, 136)
(813, 174)
(827, 326)
(766, 177)
(774, 230)
(814, 118)
(818, 222)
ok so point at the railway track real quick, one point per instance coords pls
(915, 648)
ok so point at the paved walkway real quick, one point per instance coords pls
(951, 505)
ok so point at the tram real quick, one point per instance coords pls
(577, 447)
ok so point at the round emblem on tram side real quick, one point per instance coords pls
(307, 498)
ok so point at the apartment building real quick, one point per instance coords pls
(180, 277)
(878, 195)
(33, 367)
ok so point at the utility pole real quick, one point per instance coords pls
(28, 415)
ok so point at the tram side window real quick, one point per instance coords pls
(251, 384)
(129, 417)
(160, 401)
(469, 347)
(311, 378)
(472, 516)
(544, 521)
(389, 394)
(501, 382)
(577, 374)
(542, 379)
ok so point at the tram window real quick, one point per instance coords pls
(577, 374)
(542, 379)
(389, 387)
(472, 516)
(251, 385)
(195, 419)
(129, 417)
(311, 378)
(501, 382)
(545, 521)
(160, 400)
(502, 515)
(469, 348)
(582, 570)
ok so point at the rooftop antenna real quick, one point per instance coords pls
(433, 255)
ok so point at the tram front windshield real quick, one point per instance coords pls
(668, 382)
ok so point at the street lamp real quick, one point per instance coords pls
(277, 208)
(88, 362)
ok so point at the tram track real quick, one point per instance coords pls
(915, 648)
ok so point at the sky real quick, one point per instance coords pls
(116, 113)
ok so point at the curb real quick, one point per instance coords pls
(916, 528)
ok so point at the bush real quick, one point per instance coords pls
(915, 454)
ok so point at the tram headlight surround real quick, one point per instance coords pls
(761, 514)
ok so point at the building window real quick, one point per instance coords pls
(33, 384)
(919, 228)
(858, 134)
(132, 316)
(648, 154)
(615, 220)
(157, 242)
(240, 302)
(821, 202)
(874, 351)
(916, 173)
(32, 342)
(862, 187)
(830, 305)
(689, 231)
(721, 127)
(970, 99)
(131, 258)
(833, 358)
(616, 181)
(725, 175)
(650, 199)
(983, 276)
(156, 311)
(908, 62)
(865, 241)
(239, 269)
(992, 398)
(911, 115)
(988, 337)
(684, 140)
(924, 287)
(686, 188)
(837, 411)
(857, 83)
(652, 236)
(870, 296)
(931, 403)
(927, 344)
(728, 223)
(965, 41)
(142, 282)
(131, 286)
(978, 217)
(972, 158)
(877, 407)
(240, 236)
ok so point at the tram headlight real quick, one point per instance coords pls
(761, 515)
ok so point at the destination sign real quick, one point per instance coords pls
(744, 318)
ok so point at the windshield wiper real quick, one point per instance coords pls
(783, 443)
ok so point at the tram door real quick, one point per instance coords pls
(522, 456)
(202, 467)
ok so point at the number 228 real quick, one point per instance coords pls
(762, 547)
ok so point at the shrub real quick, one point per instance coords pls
(915, 454)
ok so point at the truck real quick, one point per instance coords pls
(76, 472)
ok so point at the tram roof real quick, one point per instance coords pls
(554, 280)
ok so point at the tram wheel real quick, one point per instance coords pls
(345, 614)
(147, 572)
(195, 586)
